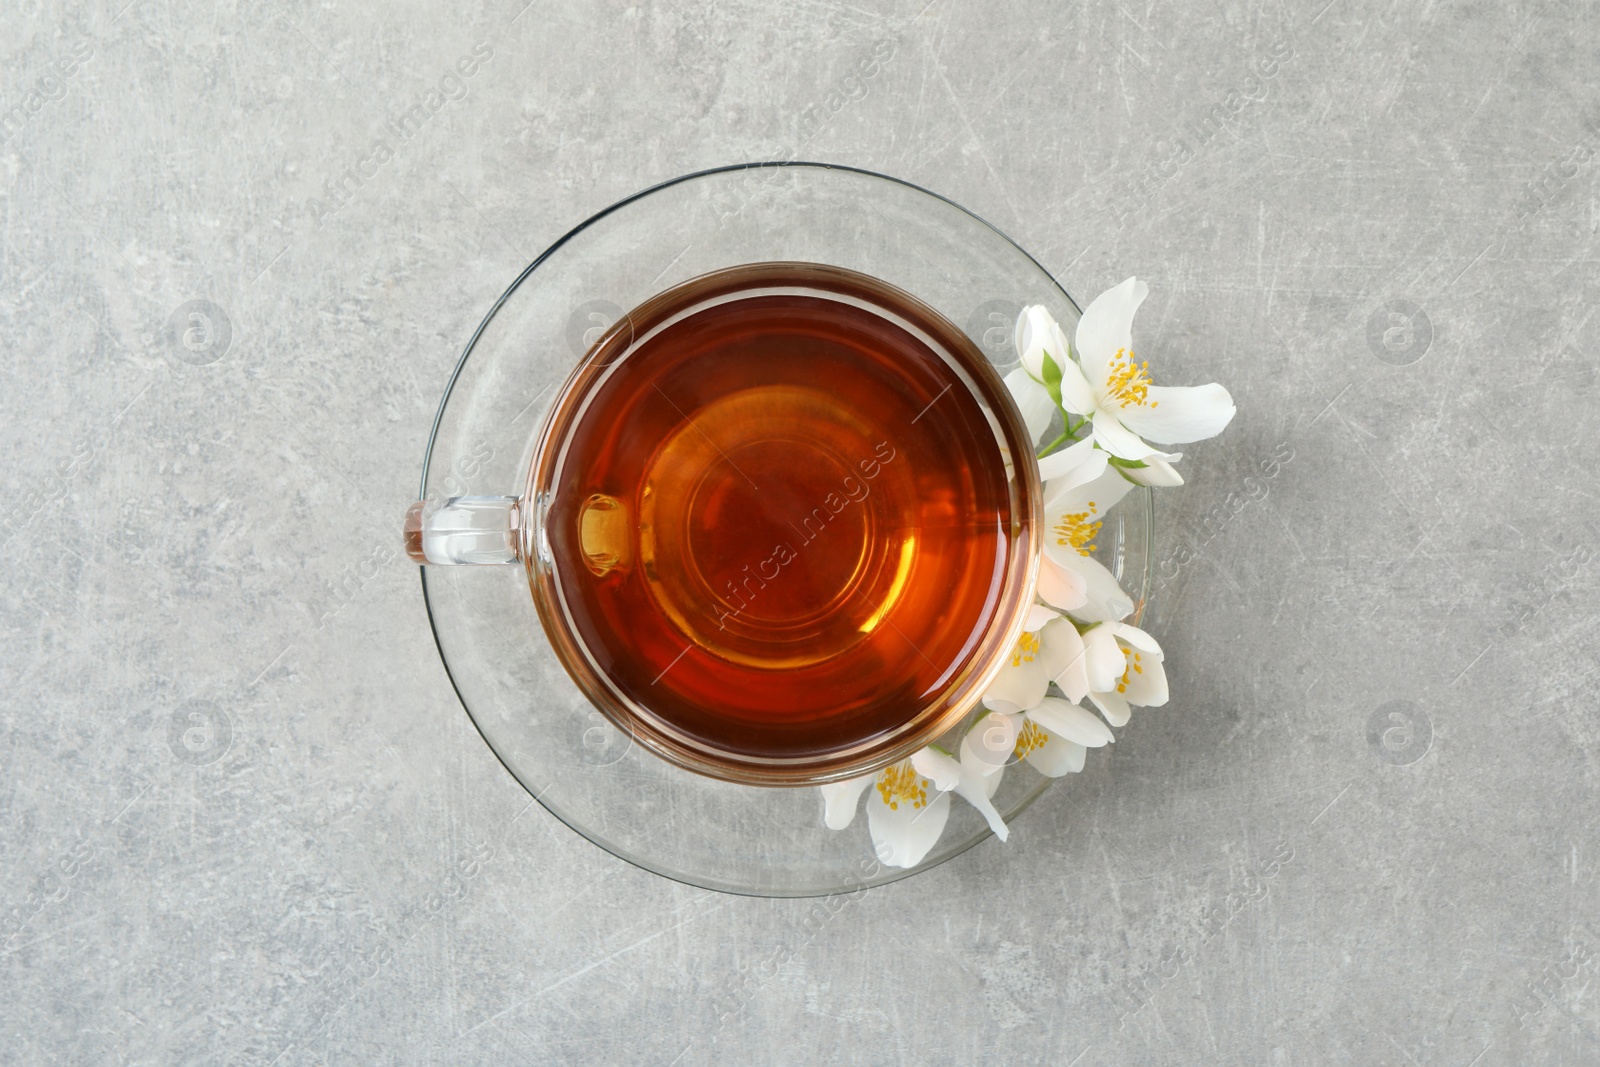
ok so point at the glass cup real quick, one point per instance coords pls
(866, 662)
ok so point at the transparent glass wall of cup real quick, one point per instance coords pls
(592, 775)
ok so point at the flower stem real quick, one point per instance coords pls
(1067, 435)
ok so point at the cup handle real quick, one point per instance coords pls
(466, 530)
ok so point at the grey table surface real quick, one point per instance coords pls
(1364, 831)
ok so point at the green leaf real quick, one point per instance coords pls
(1052, 378)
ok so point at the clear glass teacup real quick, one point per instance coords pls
(773, 522)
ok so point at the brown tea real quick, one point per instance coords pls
(780, 521)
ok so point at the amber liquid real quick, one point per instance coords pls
(780, 523)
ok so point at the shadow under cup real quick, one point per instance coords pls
(773, 525)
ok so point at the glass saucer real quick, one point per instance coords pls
(718, 835)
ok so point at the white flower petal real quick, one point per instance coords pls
(1056, 343)
(1117, 439)
(1174, 415)
(976, 788)
(1095, 496)
(1064, 650)
(1136, 637)
(1072, 468)
(1112, 706)
(1107, 326)
(1059, 550)
(988, 743)
(1156, 472)
(1032, 336)
(1017, 686)
(1057, 756)
(1059, 644)
(904, 835)
(839, 800)
(1147, 682)
(1059, 465)
(1077, 395)
(940, 768)
(1103, 600)
(1104, 659)
(1038, 615)
(1037, 334)
(1071, 722)
(1033, 401)
(1061, 587)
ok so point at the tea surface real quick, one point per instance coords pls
(780, 522)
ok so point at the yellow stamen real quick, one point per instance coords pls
(1027, 648)
(902, 783)
(1030, 738)
(1076, 531)
(1131, 659)
(1128, 382)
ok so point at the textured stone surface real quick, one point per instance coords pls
(233, 819)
